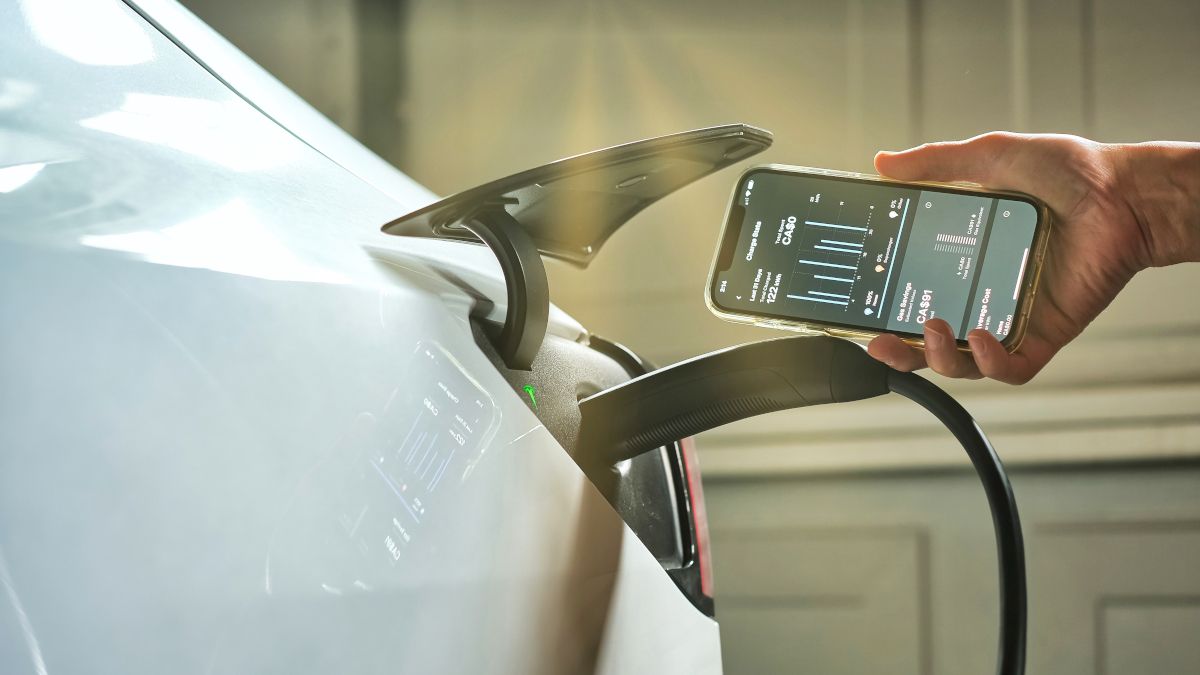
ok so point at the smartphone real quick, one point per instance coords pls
(854, 255)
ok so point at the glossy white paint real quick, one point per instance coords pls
(210, 360)
(277, 101)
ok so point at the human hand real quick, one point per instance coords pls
(1098, 241)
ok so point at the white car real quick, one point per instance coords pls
(243, 430)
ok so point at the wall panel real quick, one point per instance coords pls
(908, 558)
(1136, 632)
(1147, 70)
(847, 600)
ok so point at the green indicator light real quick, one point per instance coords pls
(532, 392)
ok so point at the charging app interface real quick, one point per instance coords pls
(876, 256)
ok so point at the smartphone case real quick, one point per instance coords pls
(1029, 284)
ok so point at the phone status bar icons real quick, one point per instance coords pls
(749, 189)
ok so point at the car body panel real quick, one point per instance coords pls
(214, 365)
(261, 90)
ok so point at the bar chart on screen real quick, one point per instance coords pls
(829, 256)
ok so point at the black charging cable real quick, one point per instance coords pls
(732, 384)
(1010, 546)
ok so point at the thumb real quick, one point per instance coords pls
(973, 160)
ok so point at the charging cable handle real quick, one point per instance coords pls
(725, 386)
(750, 380)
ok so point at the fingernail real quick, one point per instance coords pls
(978, 345)
(933, 339)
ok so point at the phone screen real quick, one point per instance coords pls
(861, 254)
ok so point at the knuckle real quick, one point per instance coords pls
(994, 143)
(965, 371)
(938, 146)
(995, 138)
(912, 363)
(939, 368)
(1009, 376)
(947, 367)
(991, 371)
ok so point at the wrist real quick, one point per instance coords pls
(1160, 183)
